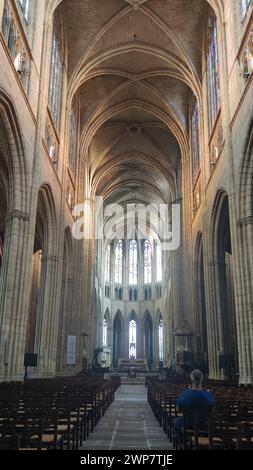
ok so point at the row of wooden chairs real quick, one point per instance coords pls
(53, 414)
(229, 426)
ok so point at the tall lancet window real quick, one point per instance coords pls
(73, 136)
(213, 71)
(133, 262)
(132, 339)
(108, 264)
(56, 75)
(195, 139)
(147, 263)
(244, 6)
(105, 330)
(1, 252)
(119, 262)
(25, 6)
(159, 274)
(160, 339)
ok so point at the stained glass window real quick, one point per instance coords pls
(6, 21)
(132, 339)
(147, 263)
(213, 71)
(133, 262)
(73, 136)
(159, 275)
(108, 263)
(56, 75)
(1, 252)
(25, 5)
(105, 332)
(195, 140)
(160, 337)
(244, 6)
(119, 262)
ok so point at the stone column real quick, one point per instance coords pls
(140, 339)
(125, 338)
(177, 290)
(47, 318)
(14, 280)
(84, 282)
(155, 344)
(244, 301)
(167, 346)
(215, 333)
(65, 322)
(186, 242)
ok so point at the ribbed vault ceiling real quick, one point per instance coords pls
(135, 65)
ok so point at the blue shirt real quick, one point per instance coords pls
(195, 400)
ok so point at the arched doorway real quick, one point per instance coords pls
(148, 340)
(117, 338)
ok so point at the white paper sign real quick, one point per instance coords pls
(71, 350)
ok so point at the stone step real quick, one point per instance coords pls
(133, 380)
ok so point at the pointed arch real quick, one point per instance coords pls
(106, 327)
(223, 275)
(133, 262)
(118, 324)
(148, 338)
(107, 315)
(118, 262)
(133, 331)
(46, 219)
(147, 262)
(12, 154)
(161, 340)
(200, 295)
(44, 255)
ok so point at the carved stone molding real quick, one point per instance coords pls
(15, 214)
(246, 221)
(52, 258)
(136, 3)
(214, 263)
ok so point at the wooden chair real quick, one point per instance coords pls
(10, 443)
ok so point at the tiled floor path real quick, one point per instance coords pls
(129, 423)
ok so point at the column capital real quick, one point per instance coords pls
(245, 221)
(177, 201)
(213, 263)
(16, 214)
(52, 258)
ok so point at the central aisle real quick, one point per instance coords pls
(129, 423)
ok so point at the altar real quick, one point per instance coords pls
(132, 365)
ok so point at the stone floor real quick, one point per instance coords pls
(129, 423)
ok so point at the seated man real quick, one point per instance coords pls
(193, 399)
